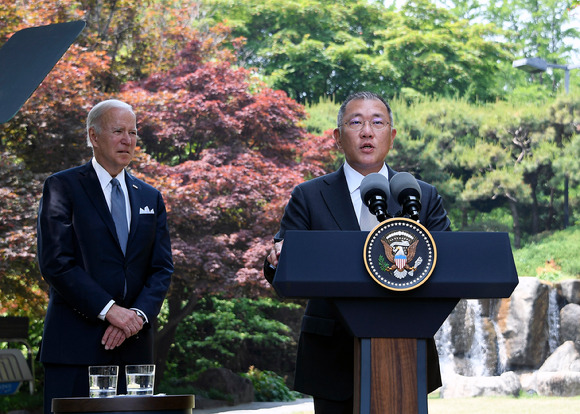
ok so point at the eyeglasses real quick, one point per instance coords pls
(358, 124)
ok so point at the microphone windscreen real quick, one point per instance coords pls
(372, 184)
(404, 182)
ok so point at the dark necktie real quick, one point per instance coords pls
(119, 213)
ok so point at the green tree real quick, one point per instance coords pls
(435, 53)
(316, 48)
(537, 28)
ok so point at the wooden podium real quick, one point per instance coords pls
(391, 328)
(150, 404)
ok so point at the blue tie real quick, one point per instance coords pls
(119, 213)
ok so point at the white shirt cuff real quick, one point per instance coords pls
(106, 309)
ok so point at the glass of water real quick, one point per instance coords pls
(103, 381)
(140, 379)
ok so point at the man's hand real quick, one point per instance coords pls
(124, 319)
(113, 337)
(275, 253)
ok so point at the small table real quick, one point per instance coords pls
(159, 404)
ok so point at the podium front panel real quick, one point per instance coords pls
(395, 318)
(330, 264)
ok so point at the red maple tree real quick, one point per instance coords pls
(228, 151)
(224, 149)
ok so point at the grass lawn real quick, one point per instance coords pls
(505, 405)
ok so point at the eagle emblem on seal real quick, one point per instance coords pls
(400, 253)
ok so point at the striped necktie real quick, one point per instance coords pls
(119, 213)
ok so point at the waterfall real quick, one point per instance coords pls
(478, 351)
(553, 321)
(477, 360)
(445, 349)
(501, 351)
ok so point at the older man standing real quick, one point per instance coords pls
(104, 249)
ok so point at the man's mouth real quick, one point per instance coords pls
(367, 146)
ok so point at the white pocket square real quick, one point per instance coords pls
(146, 210)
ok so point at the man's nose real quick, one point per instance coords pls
(367, 130)
(126, 138)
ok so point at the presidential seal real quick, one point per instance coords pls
(400, 254)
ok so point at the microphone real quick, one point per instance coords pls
(407, 192)
(375, 191)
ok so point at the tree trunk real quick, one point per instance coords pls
(535, 214)
(516, 226)
(164, 338)
(163, 341)
(550, 211)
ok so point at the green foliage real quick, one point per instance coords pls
(268, 386)
(22, 400)
(551, 256)
(383, 264)
(316, 48)
(321, 116)
(235, 333)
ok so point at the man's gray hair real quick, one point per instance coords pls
(95, 114)
(362, 95)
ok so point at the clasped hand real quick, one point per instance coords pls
(124, 323)
(275, 253)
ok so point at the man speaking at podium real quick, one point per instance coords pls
(365, 133)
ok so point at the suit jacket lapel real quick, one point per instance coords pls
(338, 201)
(134, 190)
(91, 185)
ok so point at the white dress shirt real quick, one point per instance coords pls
(105, 181)
(353, 180)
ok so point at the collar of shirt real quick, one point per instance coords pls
(353, 180)
(105, 181)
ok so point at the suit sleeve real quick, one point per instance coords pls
(296, 217)
(433, 214)
(58, 252)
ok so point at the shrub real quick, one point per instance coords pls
(235, 334)
(268, 386)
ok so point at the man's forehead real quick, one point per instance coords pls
(119, 116)
(357, 106)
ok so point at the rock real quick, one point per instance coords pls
(474, 339)
(238, 389)
(525, 327)
(558, 384)
(462, 322)
(569, 290)
(565, 358)
(487, 337)
(458, 386)
(570, 324)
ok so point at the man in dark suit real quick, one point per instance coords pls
(365, 133)
(104, 249)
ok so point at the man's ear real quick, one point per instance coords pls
(92, 136)
(336, 134)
